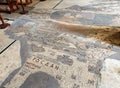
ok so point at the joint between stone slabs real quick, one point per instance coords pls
(57, 4)
(7, 47)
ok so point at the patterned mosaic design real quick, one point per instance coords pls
(56, 58)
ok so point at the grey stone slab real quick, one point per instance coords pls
(9, 62)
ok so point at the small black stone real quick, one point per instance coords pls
(65, 59)
(76, 86)
(73, 77)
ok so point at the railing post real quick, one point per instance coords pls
(23, 9)
(3, 25)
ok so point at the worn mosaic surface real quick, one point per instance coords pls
(54, 58)
(100, 15)
(59, 52)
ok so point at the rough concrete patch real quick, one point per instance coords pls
(110, 76)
